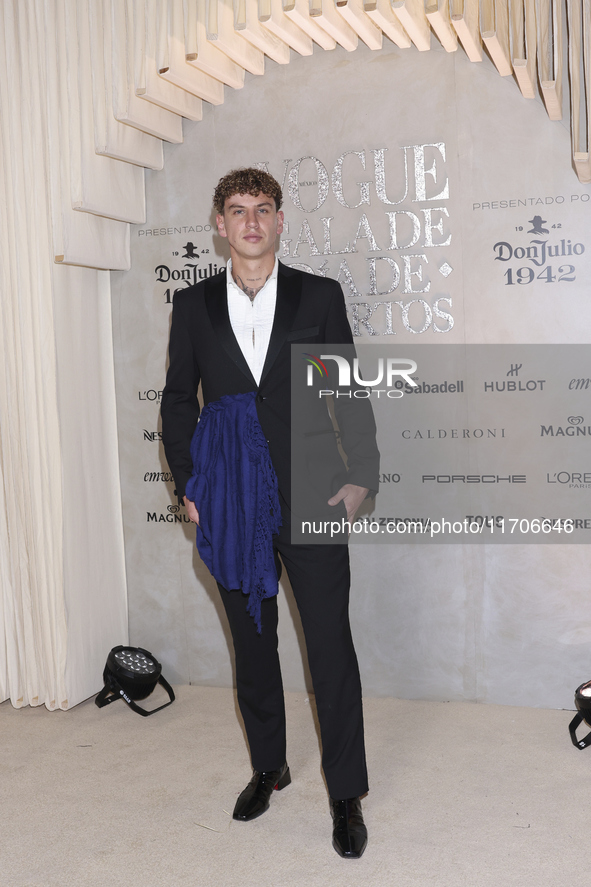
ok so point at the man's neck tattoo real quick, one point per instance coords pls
(250, 291)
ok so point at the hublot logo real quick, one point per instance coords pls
(519, 385)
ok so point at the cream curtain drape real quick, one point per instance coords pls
(33, 612)
(62, 596)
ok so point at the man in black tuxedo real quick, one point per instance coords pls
(233, 333)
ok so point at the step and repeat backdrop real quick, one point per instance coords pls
(474, 442)
(441, 200)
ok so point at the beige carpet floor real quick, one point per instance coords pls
(475, 795)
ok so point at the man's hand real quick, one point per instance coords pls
(191, 510)
(352, 496)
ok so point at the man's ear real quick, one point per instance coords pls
(219, 220)
(280, 220)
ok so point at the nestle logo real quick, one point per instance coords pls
(152, 435)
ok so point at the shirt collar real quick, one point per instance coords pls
(231, 282)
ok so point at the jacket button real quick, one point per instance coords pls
(260, 398)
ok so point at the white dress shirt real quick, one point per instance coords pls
(252, 322)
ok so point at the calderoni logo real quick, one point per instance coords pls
(173, 515)
(452, 433)
(390, 477)
(575, 428)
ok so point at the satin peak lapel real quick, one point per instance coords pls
(216, 301)
(289, 291)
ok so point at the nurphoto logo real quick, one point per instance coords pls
(390, 369)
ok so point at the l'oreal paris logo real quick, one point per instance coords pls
(395, 367)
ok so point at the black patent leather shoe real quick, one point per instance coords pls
(349, 834)
(254, 800)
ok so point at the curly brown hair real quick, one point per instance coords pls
(247, 180)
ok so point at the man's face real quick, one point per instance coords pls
(251, 225)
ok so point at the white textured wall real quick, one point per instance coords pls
(499, 624)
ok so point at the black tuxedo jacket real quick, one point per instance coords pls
(309, 310)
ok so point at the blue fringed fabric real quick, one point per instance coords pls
(234, 487)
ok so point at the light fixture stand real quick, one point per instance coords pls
(583, 704)
(132, 673)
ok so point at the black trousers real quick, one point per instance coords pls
(320, 579)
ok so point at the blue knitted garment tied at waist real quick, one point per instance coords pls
(234, 488)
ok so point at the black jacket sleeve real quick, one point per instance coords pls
(354, 415)
(180, 407)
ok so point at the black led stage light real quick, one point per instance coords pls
(583, 704)
(132, 673)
